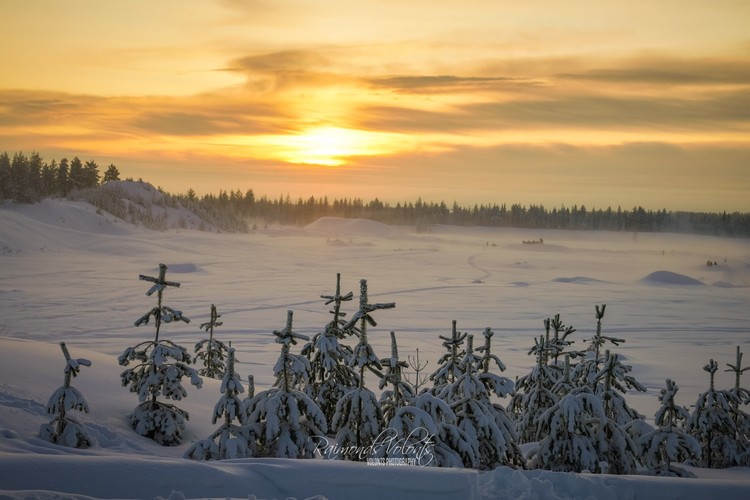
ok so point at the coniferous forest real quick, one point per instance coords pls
(28, 179)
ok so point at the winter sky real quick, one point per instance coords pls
(604, 103)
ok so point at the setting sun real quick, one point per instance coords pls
(329, 146)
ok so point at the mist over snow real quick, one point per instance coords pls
(69, 272)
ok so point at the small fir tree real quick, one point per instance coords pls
(448, 365)
(586, 371)
(231, 440)
(483, 422)
(500, 386)
(576, 435)
(401, 392)
(161, 364)
(741, 418)
(712, 423)
(358, 420)
(285, 421)
(63, 429)
(331, 377)
(669, 442)
(534, 393)
(612, 382)
(210, 351)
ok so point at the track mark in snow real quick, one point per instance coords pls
(471, 261)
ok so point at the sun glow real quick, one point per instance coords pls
(331, 146)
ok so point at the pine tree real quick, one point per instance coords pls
(669, 442)
(283, 419)
(712, 423)
(160, 368)
(358, 420)
(230, 440)
(63, 429)
(211, 351)
(330, 374)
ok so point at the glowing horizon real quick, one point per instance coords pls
(636, 104)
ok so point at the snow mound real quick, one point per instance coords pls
(337, 226)
(670, 278)
(581, 280)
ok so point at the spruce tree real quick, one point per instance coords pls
(358, 420)
(576, 435)
(483, 422)
(63, 429)
(669, 442)
(448, 365)
(401, 392)
(712, 423)
(211, 351)
(161, 364)
(231, 440)
(283, 419)
(330, 374)
(741, 419)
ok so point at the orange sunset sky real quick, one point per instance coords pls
(602, 103)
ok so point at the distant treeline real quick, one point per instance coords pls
(27, 179)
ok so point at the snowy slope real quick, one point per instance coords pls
(72, 274)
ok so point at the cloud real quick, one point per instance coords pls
(671, 71)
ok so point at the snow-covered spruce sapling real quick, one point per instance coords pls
(401, 392)
(741, 419)
(669, 442)
(210, 351)
(330, 374)
(231, 440)
(612, 382)
(587, 369)
(500, 386)
(481, 420)
(358, 420)
(533, 393)
(159, 368)
(576, 435)
(448, 365)
(712, 423)
(63, 429)
(283, 419)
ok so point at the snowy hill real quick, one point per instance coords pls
(70, 274)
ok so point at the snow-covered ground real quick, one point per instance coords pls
(68, 273)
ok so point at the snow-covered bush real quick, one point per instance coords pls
(158, 370)
(231, 440)
(284, 420)
(669, 442)
(211, 351)
(63, 429)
